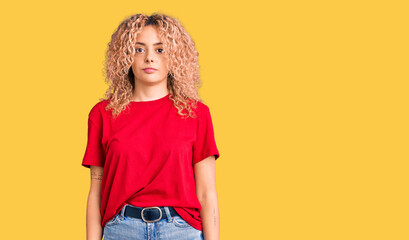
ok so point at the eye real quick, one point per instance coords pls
(137, 50)
(161, 50)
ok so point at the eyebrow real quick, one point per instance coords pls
(158, 43)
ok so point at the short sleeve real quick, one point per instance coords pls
(94, 153)
(205, 143)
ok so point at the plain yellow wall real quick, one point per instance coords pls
(309, 101)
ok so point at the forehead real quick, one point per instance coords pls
(149, 35)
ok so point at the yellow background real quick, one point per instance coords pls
(309, 101)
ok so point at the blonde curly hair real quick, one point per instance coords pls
(183, 77)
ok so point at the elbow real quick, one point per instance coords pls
(209, 196)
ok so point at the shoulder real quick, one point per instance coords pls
(200, 107)
(97, 110)
(202, 110)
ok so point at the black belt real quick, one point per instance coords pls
(148, 214)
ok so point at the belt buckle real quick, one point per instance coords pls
(143, 218)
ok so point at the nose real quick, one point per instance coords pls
(148, 58)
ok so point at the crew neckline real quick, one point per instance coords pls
(152, 101)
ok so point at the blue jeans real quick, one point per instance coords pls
(121, 227)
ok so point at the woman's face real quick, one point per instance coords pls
(149, 54)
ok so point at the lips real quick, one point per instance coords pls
(149, 70)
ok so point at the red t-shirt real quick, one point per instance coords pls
(148, 153)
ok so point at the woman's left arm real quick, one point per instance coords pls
(205, 175)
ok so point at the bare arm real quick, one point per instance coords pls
(206, 192)
(94, 229)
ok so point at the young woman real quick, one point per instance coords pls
(151, 148)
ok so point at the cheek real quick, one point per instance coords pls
(164, 63)
(164, 66)
(136, 61)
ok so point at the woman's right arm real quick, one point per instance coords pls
(94, 229)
